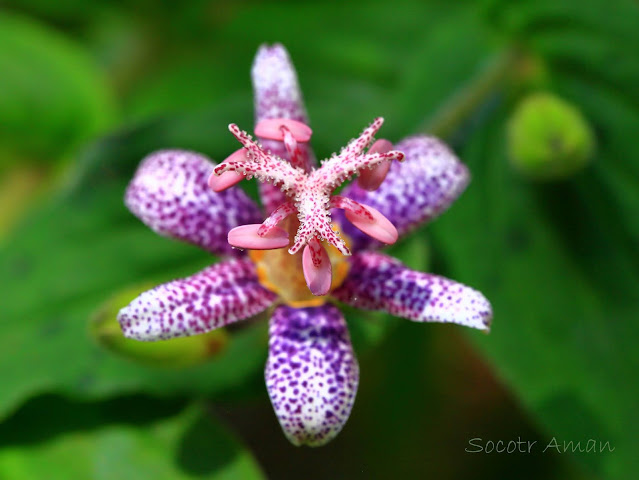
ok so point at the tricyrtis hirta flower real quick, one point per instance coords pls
(313, 248)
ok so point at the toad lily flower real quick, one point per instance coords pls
(312, 249)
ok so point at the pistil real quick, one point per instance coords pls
(309, 193)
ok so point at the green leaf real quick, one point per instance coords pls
(77, 250)
(559, 266)
(560, 262)
(52, 96)
(443, 63)
(192, 445)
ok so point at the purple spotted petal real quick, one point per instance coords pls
(379, 282)
(170, 194)
(216, 296)
(414, 191)
(277, 95)
(311, 373)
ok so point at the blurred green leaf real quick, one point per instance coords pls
(52, 96)
(62, 10)
(443, 63)
(78, 249)
(186, 83)
(564, 297)
(559, 262)
(192, 445)
(18, 185)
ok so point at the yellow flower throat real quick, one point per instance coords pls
(282, 273)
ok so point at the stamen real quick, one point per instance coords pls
(351, 160)
(295, 155)
(247, 236)
(271, 128)
(279, 214)
(220, 182)
(352, 206)
(317, 268)
(371, 179)
(367, 219)
(258, 163)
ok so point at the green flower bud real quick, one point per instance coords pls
(549, 138)
(174, 353)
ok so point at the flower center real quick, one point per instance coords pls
(282, 273)
(309, 195)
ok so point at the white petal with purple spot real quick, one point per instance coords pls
(218, 295)
(277, 95)
(379, 282)
(277, 92)
(170, 194)
(311, 373)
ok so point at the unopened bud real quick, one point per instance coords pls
(174, 353)
(549, 138)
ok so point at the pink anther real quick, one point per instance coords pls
(380, 228)
(246, 236)
(220, 183)
(271, 128)
(355, 208)
(229, 178)
(317, 268)
(371, 179)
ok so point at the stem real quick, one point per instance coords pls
(463, 103)
(20, 185)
